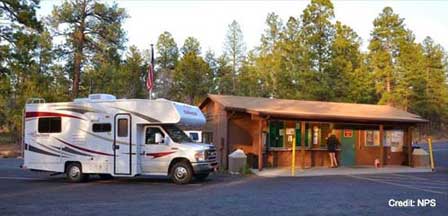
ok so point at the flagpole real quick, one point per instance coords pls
(152, 65)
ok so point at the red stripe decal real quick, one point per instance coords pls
(159, 154)
(48, 114)
(84, 149)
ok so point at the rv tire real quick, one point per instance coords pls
(181, 172)
(74, 173)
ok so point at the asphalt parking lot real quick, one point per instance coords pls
(29, 193)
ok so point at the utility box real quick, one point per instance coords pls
(237, 161)
(420, 158)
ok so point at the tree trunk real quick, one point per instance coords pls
(79, 40)
(76, 73)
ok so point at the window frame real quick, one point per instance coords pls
(49, 125)
(374, 134)
(102, 123)
(164, 134)
(119, 132)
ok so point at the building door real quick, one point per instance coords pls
(122, 144)
(276, 134)
(348, 141)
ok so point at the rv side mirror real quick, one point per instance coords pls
(159, 138)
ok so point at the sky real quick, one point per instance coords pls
(208, 20)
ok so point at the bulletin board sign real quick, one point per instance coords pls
(348, 133)
(290, 131)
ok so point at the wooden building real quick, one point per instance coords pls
(266, 129)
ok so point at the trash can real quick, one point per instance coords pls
(237, 161)
(420, 158)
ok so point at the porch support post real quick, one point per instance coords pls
(409, 144)
(381, 145)
(302, 143)
(260, 144)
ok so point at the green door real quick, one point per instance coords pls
(348, 140)
(275, 138)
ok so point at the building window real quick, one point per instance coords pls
(122, 128)
(101, 127)
(194, 136)
(49, 125)
(207, 137)
(372, 138)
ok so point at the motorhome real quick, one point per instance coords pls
(111, 137)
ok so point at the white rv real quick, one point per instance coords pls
(115, 137)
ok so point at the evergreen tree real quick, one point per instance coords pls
(192, 74)
(191, 45)
(434, 85)
(318, 35)
(235, 49)
(88, 28)
(345, 64)
(166, 61)
(388, 34)
(268, 62)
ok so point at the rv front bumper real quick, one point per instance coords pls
(204, 167)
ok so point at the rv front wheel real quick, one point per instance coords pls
(74, 173)
(181, 173)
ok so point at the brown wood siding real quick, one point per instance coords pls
(243, 134)
(313, 158)
(366, 155)
(217, 125)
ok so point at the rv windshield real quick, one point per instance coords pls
(176, 134)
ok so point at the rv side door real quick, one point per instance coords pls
(122, 145)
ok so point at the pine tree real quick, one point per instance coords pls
(268, 62)
(388, 34)
(434, 85)
(318, 34)
(234, 48)
(89, 28)
(166, 61)
(345, 63)
(192, 74)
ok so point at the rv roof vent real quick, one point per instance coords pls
(102, 97)
(81, 100)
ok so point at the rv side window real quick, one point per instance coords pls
(101, 127)
(122, 128)
(150, 137)
(49, 125)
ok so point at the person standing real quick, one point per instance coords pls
(332, 143)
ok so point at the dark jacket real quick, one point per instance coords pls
(332, 143)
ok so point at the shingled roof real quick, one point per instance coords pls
(316, 110)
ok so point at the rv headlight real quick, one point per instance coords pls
(200, 156)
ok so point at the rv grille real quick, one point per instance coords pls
(210, 154)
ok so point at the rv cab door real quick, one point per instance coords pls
(122, 145)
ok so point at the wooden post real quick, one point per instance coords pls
(293, 161)
(431, 156)
(302, 143)
(409, 144)
(260, 145)
(381, 145)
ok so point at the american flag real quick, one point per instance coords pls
(150, 77)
